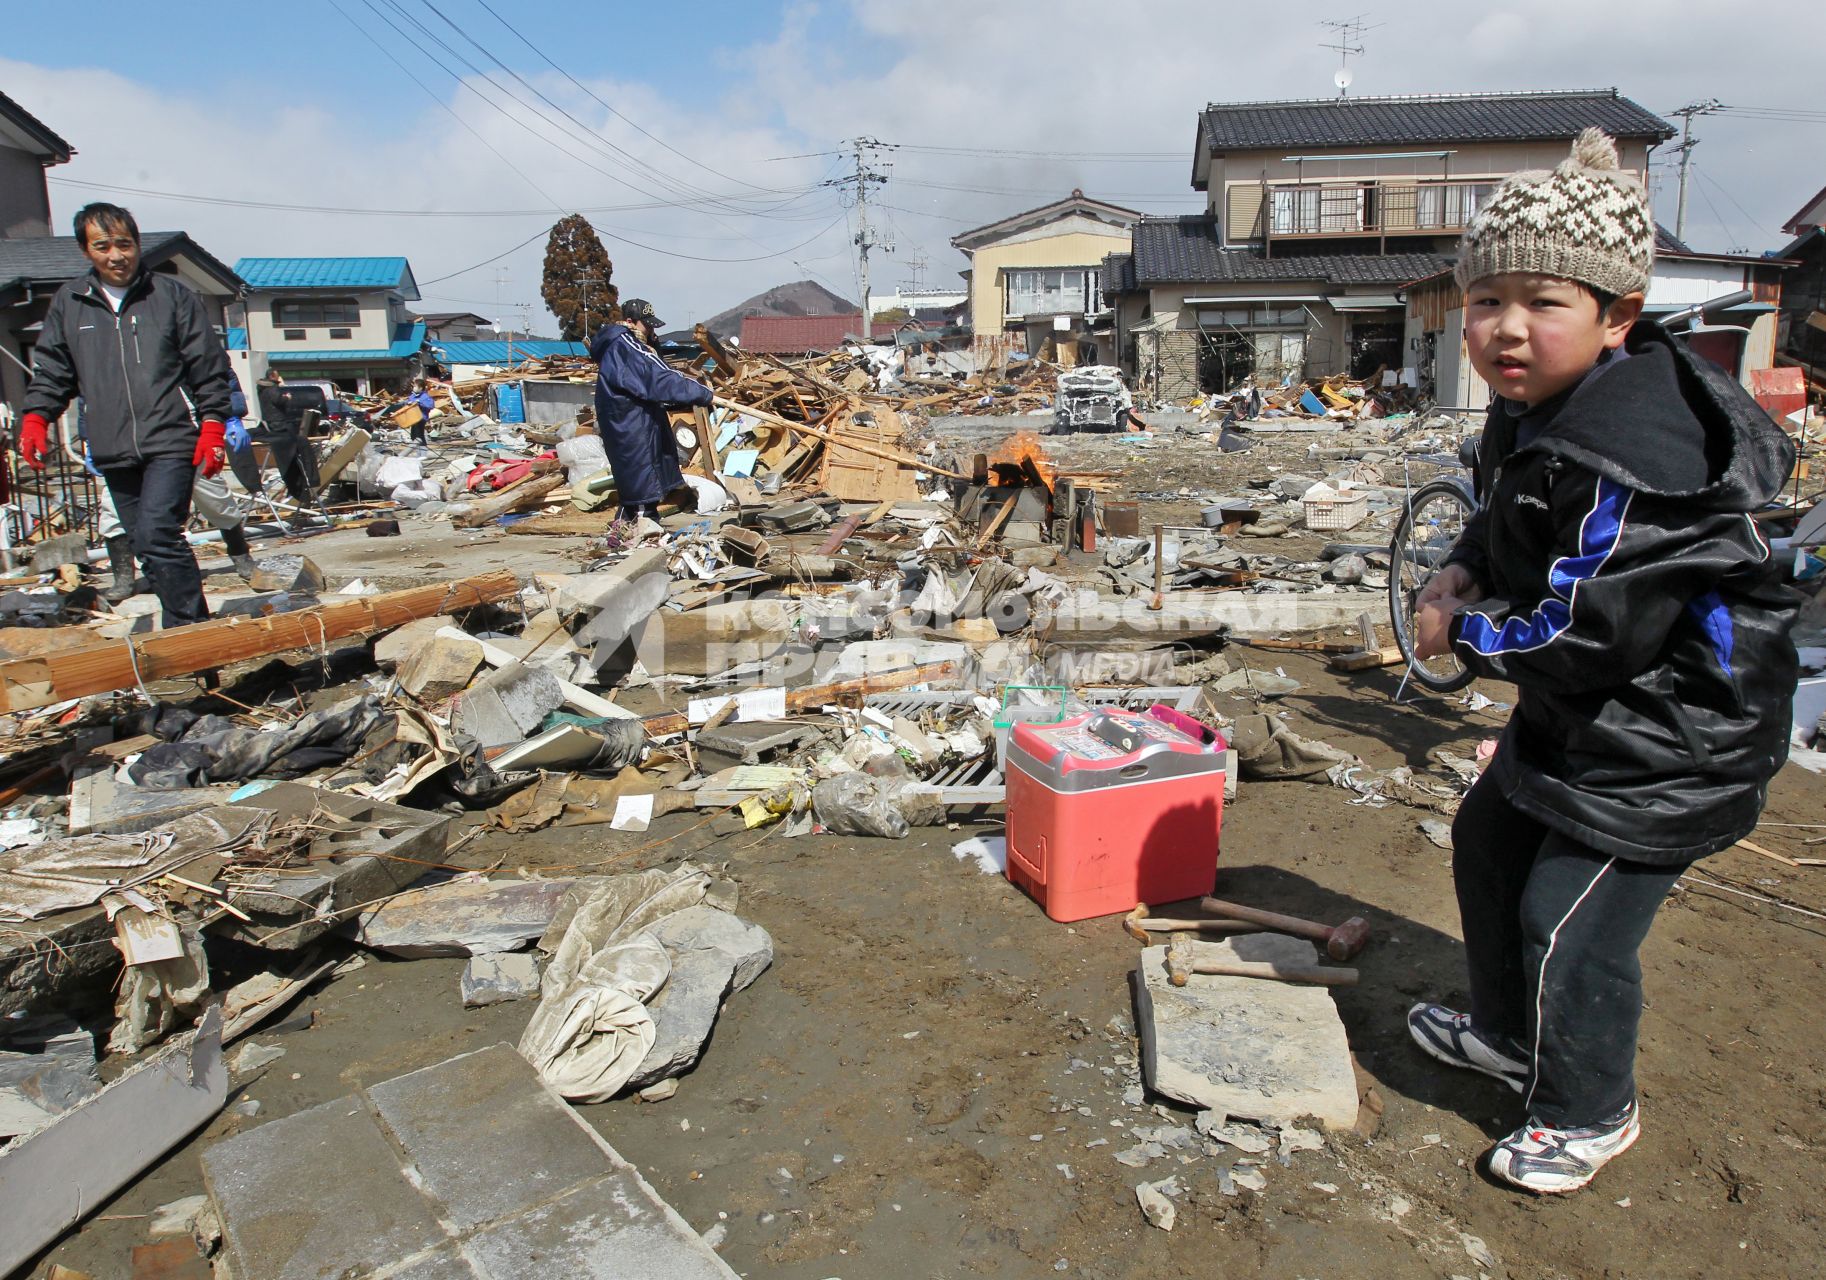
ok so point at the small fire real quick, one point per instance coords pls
(1023, 444)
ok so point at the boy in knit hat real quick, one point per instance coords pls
(1614, 575)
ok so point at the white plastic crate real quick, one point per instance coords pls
(1329, 508)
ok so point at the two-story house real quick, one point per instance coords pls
(1036, 278)
(34, 263)
(1803, 322)
(1316, 213)
(340, 319)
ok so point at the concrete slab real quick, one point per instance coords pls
(462, 918)
(470, 1168)
(1247, 1048)
(508, 706)
(319, 1193)
(496, 978)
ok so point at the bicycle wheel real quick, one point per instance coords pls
(1430, 524)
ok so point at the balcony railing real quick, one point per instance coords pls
(1399, 208)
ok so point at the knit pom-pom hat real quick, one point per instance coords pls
(1585, 220)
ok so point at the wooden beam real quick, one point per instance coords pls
(528, 491)
(205, 646)
(815, 696)
(831, 437)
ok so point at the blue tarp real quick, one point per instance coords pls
(510, 404)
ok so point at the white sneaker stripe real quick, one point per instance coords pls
(1540, 983)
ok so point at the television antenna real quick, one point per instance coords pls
(1347, 39)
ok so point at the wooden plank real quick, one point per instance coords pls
(205, 646)
(1366, 659)
(1771, 854)
(905, 459)
(1001, 518)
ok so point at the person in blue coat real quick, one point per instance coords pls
(634, 387)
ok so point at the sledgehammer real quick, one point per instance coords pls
(1182, 964)
(1341, 942)
(1139, 923)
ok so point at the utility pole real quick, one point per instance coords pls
(862, 179)
(1705, 107)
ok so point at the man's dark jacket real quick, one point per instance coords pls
(1631, 598)
(132, 369)
(633, 388)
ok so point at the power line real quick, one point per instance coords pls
(487, 261)
(605, 106)
(442, 104)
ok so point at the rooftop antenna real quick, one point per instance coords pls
(1347, 38)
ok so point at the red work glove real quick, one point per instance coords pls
(34, 439)
(211, 447)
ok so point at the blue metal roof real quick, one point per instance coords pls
(408, 340)
(497, 352)
(329, 273)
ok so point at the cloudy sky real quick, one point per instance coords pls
(699, 138)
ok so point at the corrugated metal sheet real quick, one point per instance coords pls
(497, 352)
(328, 273)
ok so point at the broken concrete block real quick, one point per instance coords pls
(1155, 1206)
(509, 705)
(427, 1175)
(177, 1218)
(462, 918)
(298, 574)
(441, 667)
(249, 1056)
(714, 954)
(1246, 1048)
(67, 548)
(617, 599)
(498, 977)
(392, 649)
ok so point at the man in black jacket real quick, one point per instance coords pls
(1615, 575)
(139, 350)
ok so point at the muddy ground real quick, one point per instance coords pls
(900, 1097)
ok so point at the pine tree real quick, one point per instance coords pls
(577, 286)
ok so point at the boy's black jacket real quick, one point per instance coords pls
(1631, 598)
(133, 370)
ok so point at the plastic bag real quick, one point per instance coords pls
(855, 804)
(582, 456)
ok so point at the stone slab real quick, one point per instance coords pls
(462, 918)
(1248, 1048)
(99, 803)
(496, 977)
(402, 642)
(440, 668)
(469, 1168)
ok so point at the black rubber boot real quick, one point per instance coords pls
(120, 559)
(235, 542)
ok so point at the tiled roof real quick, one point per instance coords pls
(1118, 273)
(783, 335)
(1185, 250)
(1667, 242)
(1425, 119)
(51, 259)
(328, 273)
(408, 340)
(50, 146)
(498, 352)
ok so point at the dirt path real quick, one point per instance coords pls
(894, 1100)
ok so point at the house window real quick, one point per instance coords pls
(316, 311)
(342, 333)
(1318, 210)
(1454, 205)
(1055, 291)
(294, 335)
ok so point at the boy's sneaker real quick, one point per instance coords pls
(1451, 1038)
(1552, 1162)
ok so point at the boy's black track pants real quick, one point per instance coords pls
(1552, 929)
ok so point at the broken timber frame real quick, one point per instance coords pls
(842, 442)
(108, 665)
(814, 696)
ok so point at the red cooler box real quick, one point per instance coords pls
(1109, 808)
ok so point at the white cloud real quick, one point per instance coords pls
(1071, 77)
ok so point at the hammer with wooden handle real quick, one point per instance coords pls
(1138, 923)
(1341, 941)
(1182, 964)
